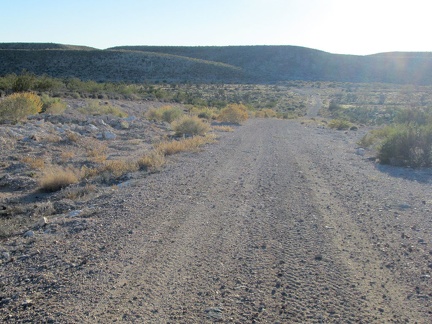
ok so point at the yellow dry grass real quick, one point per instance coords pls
(56, 178)
(187, 144)
(117, 168)
(152, 160)
(219, 128)
(34, 162)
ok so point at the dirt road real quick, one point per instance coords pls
(277, 223)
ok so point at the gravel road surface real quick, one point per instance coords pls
(278, 222)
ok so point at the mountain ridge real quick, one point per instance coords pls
(254, 64)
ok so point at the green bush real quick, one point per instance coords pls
(407, 145)
(23, 82)
(339, 124)
(190, 125)
(18, 106)
(54, 106)
(172, 114)
(165, 113)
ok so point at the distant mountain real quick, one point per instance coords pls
(255, 64)
(42, 46)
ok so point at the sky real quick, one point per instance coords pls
(357, 27)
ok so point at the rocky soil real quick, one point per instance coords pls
(279, 222)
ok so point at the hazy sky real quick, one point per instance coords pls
(336, 26)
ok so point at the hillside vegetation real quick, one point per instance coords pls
(251, 64)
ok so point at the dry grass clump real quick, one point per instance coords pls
(152, 160)
(34, 162)
(233, 113)
(72, 136)
(266, 113)
(219, 128)
(56, 178)
(187, 144)
(117, 168)
(77, 192)
(96, 150)
(66, 156)
(88, 172)
(190, 125)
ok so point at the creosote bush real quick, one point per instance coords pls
(407, 145)
(190, 125)
(233, 113)
(18, 106)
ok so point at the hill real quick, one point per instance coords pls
(254, 64)
(115, 65)
(281, 63)
(42, 46)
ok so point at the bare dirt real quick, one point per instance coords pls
(278, 222)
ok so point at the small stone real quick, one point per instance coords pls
(214, 313)
(109, 136)
(28, 234)
(360, 151)
(41, 223)
(6, 256)
(404, 206)
(74, 213)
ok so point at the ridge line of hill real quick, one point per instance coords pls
(223, 64)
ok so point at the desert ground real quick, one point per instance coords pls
(279, 221)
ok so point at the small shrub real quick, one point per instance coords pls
(172, 114)
(339, 124)
(18, 106)
(183, 145)
(72, 136)
(407, 145)
(57, 178)
(269, 113)
(233, 113)
(165, 113)
(34, 162)
(96, 150)
(67, 155)
(94, 107)
(152, 160)
(78, 192)
(53, 106)
(117, 168)
(190, 125)
(204, 113)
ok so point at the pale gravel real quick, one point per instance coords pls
(278, 222)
